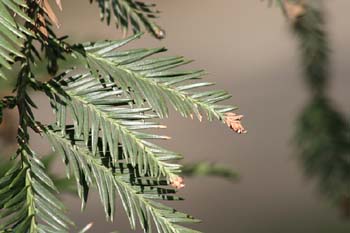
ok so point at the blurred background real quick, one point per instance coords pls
(247, 49)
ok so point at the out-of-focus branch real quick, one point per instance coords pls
(209, 169)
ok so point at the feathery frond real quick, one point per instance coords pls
(12, 34)
(26, 198)
(322, 132)
(154, 80)
(135, 191)
(131, 13)
(112, 97)
(314, 47)
(104, 110)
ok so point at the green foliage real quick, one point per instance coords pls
(132, 13)
(209, 169)
(135, 191)
(314, 47)
(155, 80)
(62, 183)
(113, 97)
(26, 197)
(96, 107)
(323, 139)
(12, 34)
(322, 133)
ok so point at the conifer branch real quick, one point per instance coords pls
(90, 169)
(131, 13)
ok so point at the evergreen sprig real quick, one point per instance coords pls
(131, 13)
(12, 34)
(136, 191)
(114, 98)
(27, 195)
(155, 81)
(322, 131)
(104, 108)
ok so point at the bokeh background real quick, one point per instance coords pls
(247, 49)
